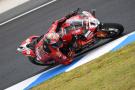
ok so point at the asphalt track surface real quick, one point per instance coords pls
(15, 67)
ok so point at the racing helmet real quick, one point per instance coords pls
(54, 39)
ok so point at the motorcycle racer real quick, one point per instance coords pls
(74, 33)
(53, 42)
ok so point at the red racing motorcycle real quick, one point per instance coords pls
(83, 23)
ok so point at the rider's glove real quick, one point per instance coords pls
(31, 46)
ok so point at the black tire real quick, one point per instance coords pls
(36, 62)
(111, 27)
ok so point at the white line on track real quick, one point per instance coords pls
(27, 12)
(6, 5)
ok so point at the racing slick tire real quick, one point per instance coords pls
(36, 62)
(112, 30)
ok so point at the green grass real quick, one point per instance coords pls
(113, 71)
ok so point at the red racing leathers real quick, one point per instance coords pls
(58, 56)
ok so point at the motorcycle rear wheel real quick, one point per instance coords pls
(111, 30)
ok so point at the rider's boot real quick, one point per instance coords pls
(63, 59)
(67, 61)
(71, 53)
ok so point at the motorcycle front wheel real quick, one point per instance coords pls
(36, 62)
